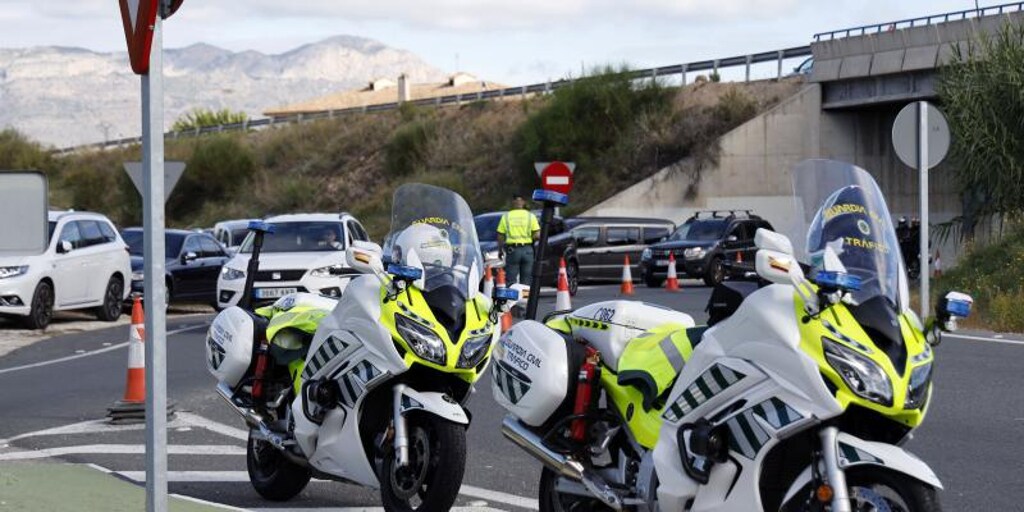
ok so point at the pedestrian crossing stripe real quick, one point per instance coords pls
(710, 383)
(328, 350)
(511, 382)
(776, 413)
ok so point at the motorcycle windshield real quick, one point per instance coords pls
(839, 205)
(432, 228)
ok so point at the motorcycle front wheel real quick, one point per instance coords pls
(553, 501)
(437, 461)
(874, 489)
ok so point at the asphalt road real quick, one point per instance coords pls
(970, 437)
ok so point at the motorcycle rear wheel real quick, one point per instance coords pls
(553, 501)
(272, 475)
(437, 461)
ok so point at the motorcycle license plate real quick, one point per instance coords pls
(273, 293)
(661, 263)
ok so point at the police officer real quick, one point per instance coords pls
(517, 231)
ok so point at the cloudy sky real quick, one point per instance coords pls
(513, 42)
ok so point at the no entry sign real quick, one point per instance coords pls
(556, 176)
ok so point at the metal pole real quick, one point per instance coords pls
(922, 166)
(538, 261)
(153, 237)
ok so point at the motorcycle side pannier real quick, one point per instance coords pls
(229, 345)
(533, 372)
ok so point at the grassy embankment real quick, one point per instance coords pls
(617, 132)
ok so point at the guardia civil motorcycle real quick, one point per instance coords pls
(369, 389)
(799, 400)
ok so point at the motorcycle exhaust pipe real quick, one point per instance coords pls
(515, 431)
(252, 419)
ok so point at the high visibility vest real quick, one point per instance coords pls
(518, 226)
(652, 361)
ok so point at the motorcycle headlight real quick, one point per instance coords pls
(231, 274)
(424, 342)
(694, 253)
(138, 275)
(863, 376)
(328, 271)
(6, 272)
(473, 351)
(917, 393)
(646, 255)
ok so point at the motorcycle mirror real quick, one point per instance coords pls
(777, 242)
(365, 257)
(774, 266)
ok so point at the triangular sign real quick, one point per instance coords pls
(172, 173)
(138, 17)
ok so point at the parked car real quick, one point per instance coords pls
(560, 245)
(306, 253)
(192, 266)
(230, 233)
(84, 266)
(602, 243)
(703, 245)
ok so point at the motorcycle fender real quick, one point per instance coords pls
(858, 452)
(438, 404)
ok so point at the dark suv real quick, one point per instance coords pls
(705, 246)
(561, 244)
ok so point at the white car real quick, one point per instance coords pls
(85, 266)
(231, 233)
(306, 253)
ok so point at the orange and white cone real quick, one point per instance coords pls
(672, 283)
(133, 406)
(627, 279)
(506, 317)
(563, 302)
(739, 256)
(488, 282)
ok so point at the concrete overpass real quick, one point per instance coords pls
(861, 78)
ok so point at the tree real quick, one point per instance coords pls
(982, 90)
(201, 118)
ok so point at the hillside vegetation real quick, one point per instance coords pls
(617, 131)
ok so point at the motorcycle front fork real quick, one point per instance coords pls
(401, 433)
(834, 474)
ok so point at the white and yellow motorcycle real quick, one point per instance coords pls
(369, 389)
(799, 400)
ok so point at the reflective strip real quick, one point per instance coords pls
(671, 351)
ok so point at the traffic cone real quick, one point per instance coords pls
(627, 279)
(672, 283)
(506, 317)
(132, 408)
(739, 256)
(562, 300)
(488, 282)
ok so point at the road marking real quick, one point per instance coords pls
(366, 509)
(219, 428)
(120, 449)
(101, 426)
(243, 476)
(87, 354)
(984, 338)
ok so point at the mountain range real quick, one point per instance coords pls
(68, 96)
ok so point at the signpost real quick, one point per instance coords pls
(172, 173)
(920, 136)
(556, 181)
(142, 20)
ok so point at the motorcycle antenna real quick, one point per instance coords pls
(259, 230)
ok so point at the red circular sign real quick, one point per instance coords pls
(557, 177)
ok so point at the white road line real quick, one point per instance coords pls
(983, 338)
(87, 354)
(364, 509)
(119, 449)
(243, 476)
(101, 426)
(219, 428)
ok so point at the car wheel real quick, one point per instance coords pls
(42, 307)
(715, 273)
(112, 296)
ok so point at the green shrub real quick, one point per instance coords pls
(220, 168)
(202, 117)
(406, 152)
(18, 152)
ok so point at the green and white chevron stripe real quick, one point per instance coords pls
(710, 383)
(327, 351)
(776, 413)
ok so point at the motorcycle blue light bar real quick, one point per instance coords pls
(550, 196)
(959, 308)
(508, 294)
(837, 280)
(404, 272)
(259, 225)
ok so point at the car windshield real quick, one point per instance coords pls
(237, 235)
(701, 230)
(487, 227)
(172, 243)
(305, 236)
(432, 228)
(840, 208)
